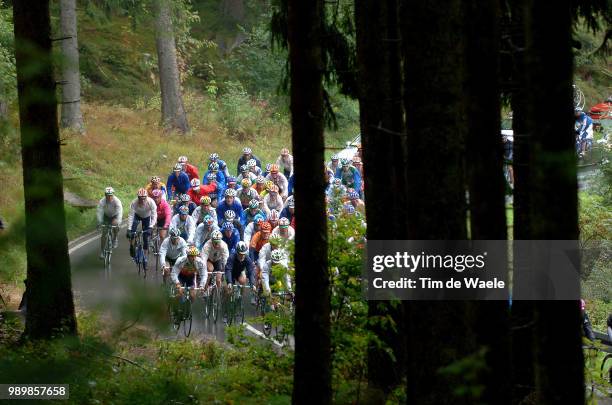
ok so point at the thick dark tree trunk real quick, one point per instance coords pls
(436, 207)
(381, 132)
(484, 166)
(50, 304)
(172, 109)
(554, 203)
(71, 87)
(233, 9)
(312, 372)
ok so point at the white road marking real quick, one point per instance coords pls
(260, 334)
(85, 242)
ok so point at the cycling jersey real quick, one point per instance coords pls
(273, 203)
(234, 267)
(258, 240)
(286, 213)
(169, 250)
(215, 254)
(290, 235)
(191, 205)
(203, 233)
(252, 178)
(199, 214)
(584, 126)
(249, 231)
(191, 171)
(243, 160)
(185, 268)
(281, 181)
(164, 213)
(148, 209)
(112, 209)
(223, 207)
(162, 188)
(195, 195)
(290, 185)
(266, 270)
(248, 216)
(285, 164)
(177, 185)
(245, 195)
(220, 183)
(232, 241)
(350, 177)
(186, 227)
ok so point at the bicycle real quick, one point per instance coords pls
(181, 312)
(213, 296)
(234, 306)
(107, 235)
(139, 254)
(154, 245)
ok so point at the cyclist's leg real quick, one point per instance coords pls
(265, 281)
(146, 233)
(132, 232)
(115, 222)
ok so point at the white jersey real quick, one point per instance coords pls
(251, 176)
(198, 217)
(188, 226)
(146, 210)
(172, 251)
(183, 265)
(203, 233)
(285, 165)
(110, 209)
(273, 203)
(276, 231)
(265, 274)
(245, 195)
(281, 182)
(249, 231)
(209, 252)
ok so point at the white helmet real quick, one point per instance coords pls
(182, 159)
(195, 182)
(109, 191)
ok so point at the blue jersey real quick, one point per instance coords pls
(350, 178)
(222, 207)
(221, 185)
(583, 123)
(232, 241)
(234, 267)
(181, 184)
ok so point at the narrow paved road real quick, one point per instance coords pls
(121, 291)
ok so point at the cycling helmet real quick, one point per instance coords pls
(208, 220)
(242, 247)
(155, 179)
(260, 179)
(109, 191)
(353, 195)
(213, 157)
(337, 182)
(345, 162)
(185, 198)
(142, 192)
(244, 168)
(247, 151)
(213, 167)
(156, 193)
(205, 200)
(183, 210)
(269, 183)
(251, 163)
(211, 177)
(193, 251)
(578, 109)
(195, 182)
(246, 183)
(216, 236)
(230, 192)
(275, 240)
(268, 167)
(276, 256)
(182, 159)
(348, 209)
(266, 227)
(254, 203)
(273, 188)
(274, 169)
(229, 215)
(291, 204)
(227, 226)
(178, 167)
(231, 179)
(258, 218)
(274, 215)
(356, 159)
(283, 222)
(284, 152)
(174, 233)
(334, 157)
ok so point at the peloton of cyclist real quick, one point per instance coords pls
(109, 212)
(170, 250)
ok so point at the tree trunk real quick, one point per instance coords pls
(554, 203)
(173, 112)
(71, 87)
(50, 304)
(312, 372)
(436, 208)
(382, 130)
(484, 165)
(233, 9)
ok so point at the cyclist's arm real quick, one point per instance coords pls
(176, 269)
(167, 215)
(153, 212)
(119, 211)
(131, 215)
(250, 270)
(228, 270)
(169, 185)
(100, 211)
(190, 229)
(162, 252)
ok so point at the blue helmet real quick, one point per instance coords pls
(227, 226)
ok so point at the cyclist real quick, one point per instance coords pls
(252, 228)
(284, 230)
(239, 266)
(279, 180)
(171, 250)
(164, 213)
(267, 170)
(260, 185)
(273, 218)
(230, 217)
(144, 210)
(178, 182)
(189, 271)
(329, 180)
(356, 202)
(247, 154)
(204, 231)
(333, 165)
(285, 162)
(277, 257)
(214, 157)
(231, 236)
(290, 182)
(249, 214)
(204, 209)
(584, 131)
(359, 166)
(229, 203)
(184, 223)
(213, 169)
(189, 169)
(258, 240)
(349, 175)
(254, 167)
(274, 243)
(185, 200)
(109, 212)
(231, 183)
(246, 193)
(215, 254)
(156, 184)
(289, 210)
(245, 173)
(272, 200)
(587, 328)
(196, 191)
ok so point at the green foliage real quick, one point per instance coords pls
(467, 374)
(8, 76)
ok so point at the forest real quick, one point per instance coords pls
(403, 121)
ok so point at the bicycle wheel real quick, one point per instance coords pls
(230, 309)
(215, 303)
(207, 304)
(188, 318)
(240, 309)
